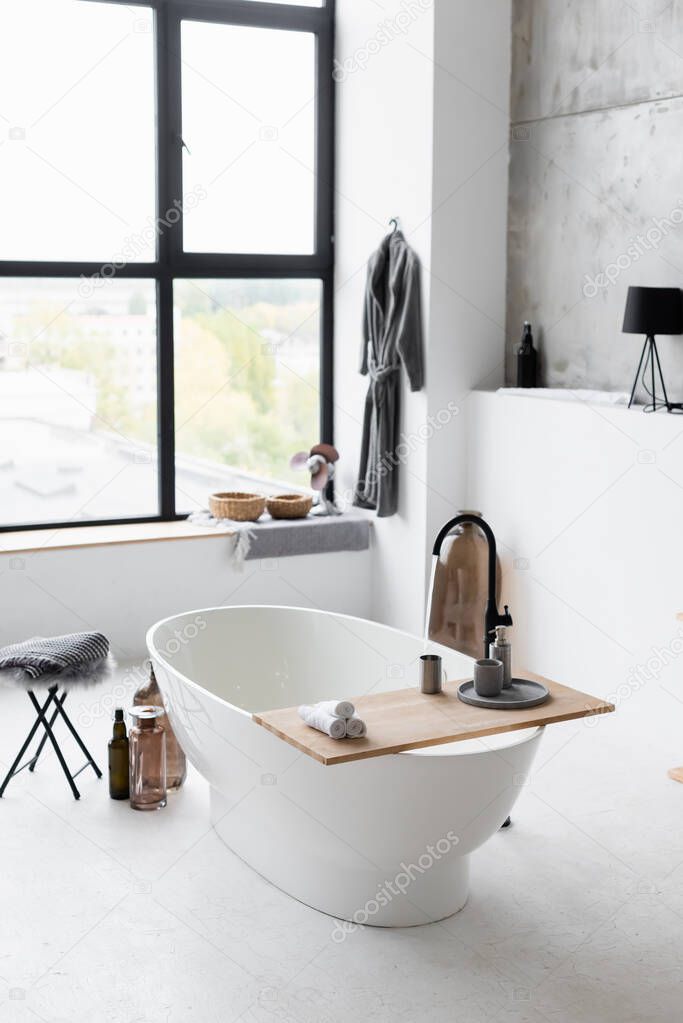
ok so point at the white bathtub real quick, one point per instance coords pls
(383, 841)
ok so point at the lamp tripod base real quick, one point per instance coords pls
(649, 360)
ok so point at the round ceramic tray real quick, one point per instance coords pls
(522, 693)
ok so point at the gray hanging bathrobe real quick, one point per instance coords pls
(392, 334)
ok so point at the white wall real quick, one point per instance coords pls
(422, 134)
(587, 504)
(469, 229)
(384, 169)
(122, 590)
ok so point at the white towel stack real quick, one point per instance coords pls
(355, 728)
(338, 708)
(336, 718)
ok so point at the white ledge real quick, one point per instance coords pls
(636, 424)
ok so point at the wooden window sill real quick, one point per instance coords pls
(312, 535)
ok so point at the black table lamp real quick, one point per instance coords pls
(653, 311)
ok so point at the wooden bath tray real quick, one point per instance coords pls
(406, 719)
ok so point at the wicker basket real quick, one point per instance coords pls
(237, 506)
(289, 506)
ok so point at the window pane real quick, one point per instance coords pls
(77, 131)
(77, 400)
(249, 126)
(247, 359)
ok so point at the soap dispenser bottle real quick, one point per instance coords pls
(501, 650)
(526, 359)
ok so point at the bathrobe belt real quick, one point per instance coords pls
(380, 374)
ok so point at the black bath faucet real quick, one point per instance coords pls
(492, 616)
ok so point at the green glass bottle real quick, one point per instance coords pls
(118, 759)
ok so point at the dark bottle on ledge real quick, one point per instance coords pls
(118, 759)
(526, 359)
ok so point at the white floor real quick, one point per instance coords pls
(575, 913)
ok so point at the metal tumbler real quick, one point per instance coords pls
(432, 674)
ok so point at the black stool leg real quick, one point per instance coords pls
(55, 744)
(33, 731)
(84, 748)
(41, 744)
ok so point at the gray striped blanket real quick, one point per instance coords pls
(79, 656)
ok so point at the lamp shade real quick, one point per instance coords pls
(653, 311)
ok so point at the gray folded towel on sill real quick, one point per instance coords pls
(79, 658)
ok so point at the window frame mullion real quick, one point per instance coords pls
(168, 157)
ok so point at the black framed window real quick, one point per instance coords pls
(166, 253)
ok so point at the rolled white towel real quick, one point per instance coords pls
(331, 725)
(355, 728)
(339, 708)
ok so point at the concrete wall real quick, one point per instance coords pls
(422, 134)
(596, 200)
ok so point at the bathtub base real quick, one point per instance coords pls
(405, 893)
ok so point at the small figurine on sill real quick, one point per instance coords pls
(320, 462)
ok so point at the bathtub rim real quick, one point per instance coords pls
(517, 737)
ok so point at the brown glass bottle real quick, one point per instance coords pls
(176, 762)
(147, 759)
(118, 759)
